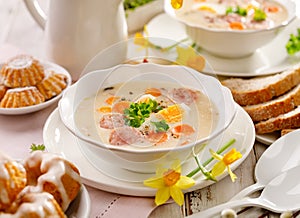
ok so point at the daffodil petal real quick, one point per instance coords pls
(184, 54)
(155, 182)
(176, 166)
(160, 171)
(198, 62)
(177, 195)
(218, 169)
(162, 195)
(215, 155)
(185, 182)
(231, 174)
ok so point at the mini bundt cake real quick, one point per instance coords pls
(21, 97)
(34, 205)
(21, 71)
(51, 173)
(52, 85)
(12, 181)
(3, 90)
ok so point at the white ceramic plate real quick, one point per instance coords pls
(268, 138)
(58, 139)
(25, 110)
(80, 206)
(267, 60)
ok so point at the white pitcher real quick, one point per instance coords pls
(77, 30)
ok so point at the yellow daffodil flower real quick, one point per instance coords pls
(189, 57)
(176, 4)
(139, 39)
(169, 183)
(224, 163)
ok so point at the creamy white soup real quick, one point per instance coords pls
(147, 115)
(233, 14)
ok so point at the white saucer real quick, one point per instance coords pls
(58, 139)
(268, 138)
(25, 110)
(270, 59)
(81, 205)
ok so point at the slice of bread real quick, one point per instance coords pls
(289, 120)
(286, 131)
(275, 107)
(262, 89)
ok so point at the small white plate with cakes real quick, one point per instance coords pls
(41, 185)
(28, 84)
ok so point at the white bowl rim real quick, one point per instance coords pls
(291, 16)
(98, 144)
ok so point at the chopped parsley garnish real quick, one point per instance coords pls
(35, 147)
(161, 126)
(293, 44)
(132, 4)
(238, 10)
(259, 15)
(136, 114)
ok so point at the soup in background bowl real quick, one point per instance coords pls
(182, 110)
(234, 28)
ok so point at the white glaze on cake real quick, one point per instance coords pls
(51, 168)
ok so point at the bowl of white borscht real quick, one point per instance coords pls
(234, 28)
(140, 116)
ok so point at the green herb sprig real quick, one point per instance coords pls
(35, 147)
(259, 15)
(132, 4)
(293, 44)
(136, 114)
(161, 126)
(237, 10)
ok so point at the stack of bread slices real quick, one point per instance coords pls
(273, 102)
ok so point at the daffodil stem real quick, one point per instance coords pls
(203, 170)
(201, 166)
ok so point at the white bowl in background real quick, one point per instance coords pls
(230, 43)
(138, 17)
(143, 160)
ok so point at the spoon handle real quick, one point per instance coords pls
(215, 211)
(247, 191)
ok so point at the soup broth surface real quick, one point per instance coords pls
(233, 14)
(147, 114)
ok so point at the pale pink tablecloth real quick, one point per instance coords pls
(18, 132)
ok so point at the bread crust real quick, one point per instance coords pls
(289, 120)
(275, 107)
(262, 89)
(273, 102)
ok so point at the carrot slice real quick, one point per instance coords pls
(104, 109)
(183, 129)
(157, 137)
(153, 91)
(119, 107)
(111, 100)
(236, 26)
(273, 9)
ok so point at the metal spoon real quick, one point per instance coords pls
(280, 195)
(282, 155)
